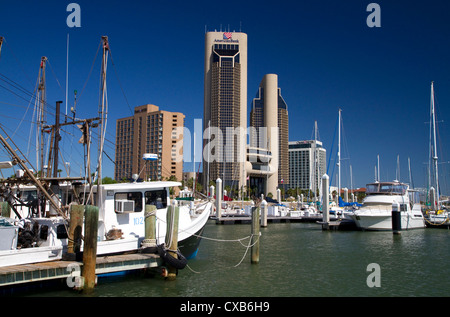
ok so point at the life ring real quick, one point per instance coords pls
(177, 263)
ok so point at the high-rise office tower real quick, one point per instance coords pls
(225, 107)
(269, 110)
(149, 130)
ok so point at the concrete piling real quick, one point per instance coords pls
(218, 199)
(326, 202)
(264, 212)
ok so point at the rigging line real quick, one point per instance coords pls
(17, 60)
(24, 90)
(15, 118)
(34, 97)
(109, 157)
(90, 73)
(29, 104)
(120, 84)
(54, 75)
(16, 85)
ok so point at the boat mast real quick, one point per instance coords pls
(339, 154)
(433, 152)
(103, 112)
(316, 164)
(42, 100)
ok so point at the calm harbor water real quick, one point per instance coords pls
(298, 259)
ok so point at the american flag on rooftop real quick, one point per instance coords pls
(227, 35)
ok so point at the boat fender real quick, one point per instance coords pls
(179, 263)
(153, 249)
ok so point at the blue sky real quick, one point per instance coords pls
(324, 53)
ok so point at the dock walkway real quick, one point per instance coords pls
(242, 219)
(45, 271)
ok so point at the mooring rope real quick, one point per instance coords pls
(247, 246)
(243, 257)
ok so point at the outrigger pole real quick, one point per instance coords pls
(22, 164)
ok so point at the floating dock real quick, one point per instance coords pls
(16, 275)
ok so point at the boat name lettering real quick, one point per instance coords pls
(138, 221)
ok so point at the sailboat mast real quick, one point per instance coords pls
(378, 169)
(316, 171)
(339, 154)
(434, 150)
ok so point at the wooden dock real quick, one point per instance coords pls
(11, 276)
(332, 225)
(243, 219)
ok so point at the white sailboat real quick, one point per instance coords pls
(436, 215)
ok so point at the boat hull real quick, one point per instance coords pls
(189, 247)
(30, 255)
(438, 221)
(381, 222)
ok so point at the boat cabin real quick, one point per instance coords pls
(386, 188)
(123, 205)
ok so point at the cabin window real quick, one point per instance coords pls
(136, 197)
(157, 198)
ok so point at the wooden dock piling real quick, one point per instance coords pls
(255, 235)
(5, 209)
(150, 226)
(90, 247)
(75, 229)
(173, 213)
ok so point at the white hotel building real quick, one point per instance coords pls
(307, 164)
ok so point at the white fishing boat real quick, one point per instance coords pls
(34, 226)
(121, 225)
(122, 210)
(376, 210)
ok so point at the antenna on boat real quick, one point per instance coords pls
(67, 75)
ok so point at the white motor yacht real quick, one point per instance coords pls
(376, 210)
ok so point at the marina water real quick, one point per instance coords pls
(299, 259)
